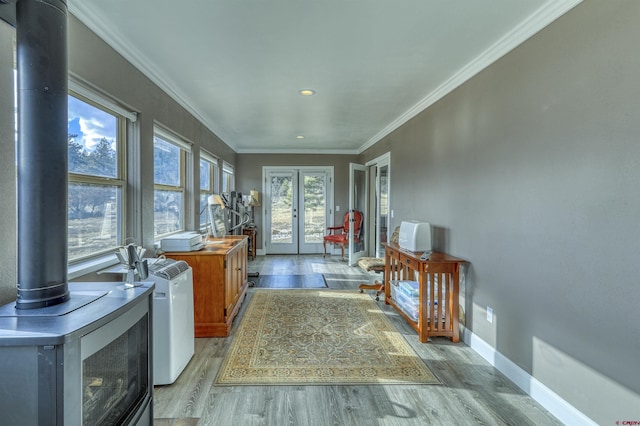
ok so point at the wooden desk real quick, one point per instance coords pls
(438, 280)
(219, 283)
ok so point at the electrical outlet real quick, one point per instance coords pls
(337, 208)
(490, 314)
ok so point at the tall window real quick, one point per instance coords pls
(96, 140)
(169, 160)
(209, 177)
(228, 182)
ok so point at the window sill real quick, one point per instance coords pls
(92, 265)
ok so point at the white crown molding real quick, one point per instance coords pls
(544, 16)
(537, 390)
(299, 151)
(142, 63)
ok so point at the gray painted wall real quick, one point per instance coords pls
(530, 171)
(250, 176)
(92, 60)
(8, 274)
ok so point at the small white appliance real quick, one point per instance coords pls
(186, 241)
(415, 236)
(173, 324)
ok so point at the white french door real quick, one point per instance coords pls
(358, 188)
(297, 208)
(378, 224)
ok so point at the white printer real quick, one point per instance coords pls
(187, 241)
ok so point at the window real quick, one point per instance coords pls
(209, 176)
(169, 160)
(96, 143)
(228, 182)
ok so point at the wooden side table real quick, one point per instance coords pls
(438, 288)
(251, 232)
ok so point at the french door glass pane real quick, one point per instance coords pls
(384, 206)
(314, 208)
(281, 209)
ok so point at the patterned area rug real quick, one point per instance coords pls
(290, 281)
(315, 337)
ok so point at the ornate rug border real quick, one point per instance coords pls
(223, 379)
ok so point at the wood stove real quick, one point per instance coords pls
(86, 361)
(71, 353)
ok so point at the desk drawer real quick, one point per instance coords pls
(407, 260)
(393, 254)
(439, 268)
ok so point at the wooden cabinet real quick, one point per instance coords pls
(219, 283)
(438, 290)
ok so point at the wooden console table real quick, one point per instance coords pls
(219, 283)
(438, 280)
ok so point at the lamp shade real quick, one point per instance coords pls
(254, 201)
(215, 199)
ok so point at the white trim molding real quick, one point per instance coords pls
(550, 400)
(139, 60)
(300, 151)
(81, 87)
(544, 16)
(171, 137)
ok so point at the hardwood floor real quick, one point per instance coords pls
(472, 392)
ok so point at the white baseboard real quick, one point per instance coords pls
(550, 400)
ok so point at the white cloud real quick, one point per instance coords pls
(95, 124)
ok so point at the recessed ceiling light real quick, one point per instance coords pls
(299, 137)
(307, 92)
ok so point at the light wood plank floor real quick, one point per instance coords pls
(472, 392)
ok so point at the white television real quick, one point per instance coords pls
(415, 236)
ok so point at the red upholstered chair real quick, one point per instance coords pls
(340, 234)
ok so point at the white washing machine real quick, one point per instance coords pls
(173, 326)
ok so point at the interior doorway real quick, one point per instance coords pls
(378, 223)
(297, 208)
(358, 195)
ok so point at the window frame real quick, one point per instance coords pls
(120, 180)
(228, 174)
(185, 149)
(214, 182)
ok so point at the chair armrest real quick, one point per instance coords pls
(331, 230)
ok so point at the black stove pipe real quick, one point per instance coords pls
(42, 156)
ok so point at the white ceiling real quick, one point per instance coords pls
(238, 65)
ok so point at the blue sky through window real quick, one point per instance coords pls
(90, 124)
